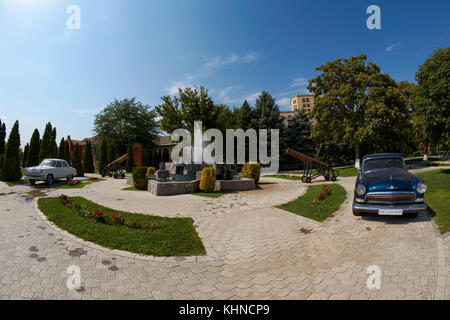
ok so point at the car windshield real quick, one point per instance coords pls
(383, 163)
(49, 163)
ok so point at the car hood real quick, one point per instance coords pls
(389, 180)
(38, 168)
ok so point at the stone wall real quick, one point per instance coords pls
(172, 188)
(235, 185)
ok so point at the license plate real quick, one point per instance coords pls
(390, 212)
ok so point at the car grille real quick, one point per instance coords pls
(390, 197)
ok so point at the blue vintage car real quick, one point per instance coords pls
(385, 187)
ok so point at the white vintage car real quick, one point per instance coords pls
(50, 170)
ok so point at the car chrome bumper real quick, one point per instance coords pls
(413, 207)
(36, 178)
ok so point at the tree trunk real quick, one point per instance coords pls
(357, 162)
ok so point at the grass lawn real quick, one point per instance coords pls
(77, 186)
(176, 237)
(283, 176)
(16, 183)
(210, 194)
(303, 205)
(438, 196)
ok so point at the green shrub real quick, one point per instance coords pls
(208, 180)
(251, 170)
(151, 171)
(140, 180)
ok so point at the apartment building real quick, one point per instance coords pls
(298, 102)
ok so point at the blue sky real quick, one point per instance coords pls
(235, 48)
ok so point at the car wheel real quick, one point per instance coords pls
(49, 180)
(32, 182)
(357, 213)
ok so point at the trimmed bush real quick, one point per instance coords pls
(208, 180)
(251, 170)
(11, 162)
(151, 171)
(140, 180)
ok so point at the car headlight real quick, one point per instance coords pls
(360, 189)
(422, 188)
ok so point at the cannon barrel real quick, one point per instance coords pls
(303, 157)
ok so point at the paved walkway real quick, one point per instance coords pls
(255, 251)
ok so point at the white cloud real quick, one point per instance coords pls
(252, 97)
(392, 47)
(187, 82)
(284, 102)
(84, 111)
(234, 58)
(299, 83)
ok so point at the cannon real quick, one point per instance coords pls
(311, 164)
(114, 169)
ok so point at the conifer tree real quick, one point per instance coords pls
(103, 159)
(33, 153)
(62, 149)
(2, 137)
(11, 163)
(76, 161)
(130, 160)
(25, 154)
(46, 145)
(88, 161)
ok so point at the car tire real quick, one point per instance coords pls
(32, 182)
(357, 213)
(49, 180)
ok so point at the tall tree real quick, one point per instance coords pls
(46, 143)
(66, 151)
(11, 163)
(191, 104)
(127, 121)
(2, 137)
(353, 99)
(53, 145)
(245, 116)
(103, 159)
(76, 161)
(62, 149)
(432, 100)
(33, 153)
(112, 152)
(130, 161)
(26, 150)
(88, 159)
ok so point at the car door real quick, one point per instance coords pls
(58, 170)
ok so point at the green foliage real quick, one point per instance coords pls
(33, 154)
(251, 170)
(53, 145)
(103, 159)
(304, 205)
(244, 116)
(61, 149)
(438, 196)
(151, 171)
(266, 113)
(355, 101)
(46, 147)
(88, 159)
(130, 161)
(297, 137)
(208, 180)
(176, 237)
(140, 180)
(127, 121)
(2, 137)
(432, 100)
(11, 163)
(192, 104)
(76, 161)
(113, 152)
(25, 154)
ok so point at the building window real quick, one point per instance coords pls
(307, 99)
